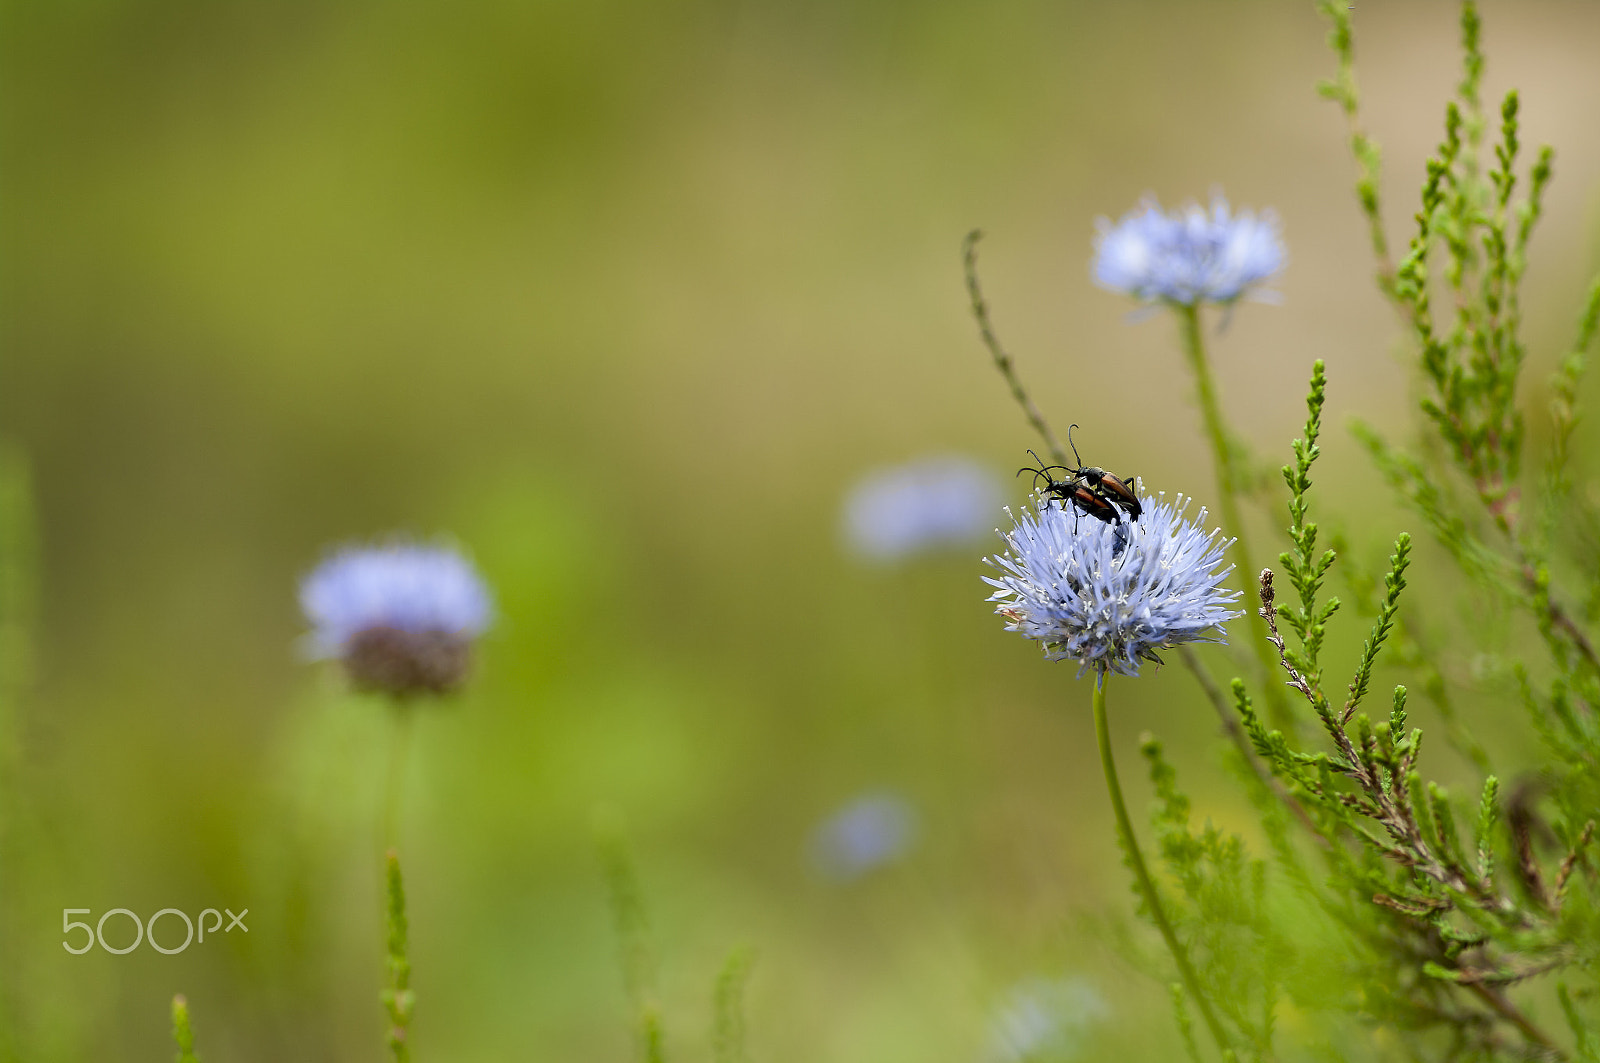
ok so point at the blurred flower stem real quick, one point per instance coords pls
(402, 711)
(182, 1031)
(1002, 360)
(1141, 874)
(1224, 456)
(397, 997)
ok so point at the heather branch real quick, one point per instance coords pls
(1269, 613)
(1394, 583)
(1389, 805)
(1341, 89)
(1571, 861)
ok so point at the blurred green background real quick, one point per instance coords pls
(624, 297)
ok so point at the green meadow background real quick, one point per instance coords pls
(623, 297)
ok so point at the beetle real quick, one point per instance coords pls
(1118, 490)
(1089, 488)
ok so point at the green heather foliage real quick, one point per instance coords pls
(631, 923)
(398, 998)
(1443, 921)
(182, 1033)
(727, 1036)
(1338, 889)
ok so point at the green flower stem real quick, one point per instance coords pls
(398, 998)
(1141, 874)
(1228, 508)
(394, 786)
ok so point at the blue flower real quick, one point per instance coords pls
(864, 835)
(1045, 1019)
(1187, 257)
(920, 506)
(1110, 595)
(402, 617)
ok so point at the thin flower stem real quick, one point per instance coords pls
(1228, 504)
(1130, 845)
(394, 786)
(1002, 360)
(1235, 733)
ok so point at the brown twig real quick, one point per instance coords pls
(1270, 615)
(1559, 619)
(1571, 862)
(1509, 1012)
(1510, 975)
(1522, 821)
(1422, 906)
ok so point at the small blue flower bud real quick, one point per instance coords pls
(401, 618)
(921, 506)
(863, 836)
(1045, 1019)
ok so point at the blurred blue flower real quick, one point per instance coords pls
(1044, 1019)
(1110, 595)
(1187, 257)
(863, 836)
(919, 506)
(401, 617)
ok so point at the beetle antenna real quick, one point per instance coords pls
(1074, 445)
(1037, 472)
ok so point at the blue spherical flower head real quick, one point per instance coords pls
(1045, 1019)
(920, 507)
(401, 618)
(868, 833)
(1108, 595)
(1188, 257)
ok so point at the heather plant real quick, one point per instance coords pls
(182, 1031)
(1387, 917)
(401, 619)
(397, 996)
(637, 960)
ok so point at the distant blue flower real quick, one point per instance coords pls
(1044, 1019)
(863, 836)
(1187, 257)
(1110, 595)
(401, 617)
(919, 506)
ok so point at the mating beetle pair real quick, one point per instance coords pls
(1091, 490)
